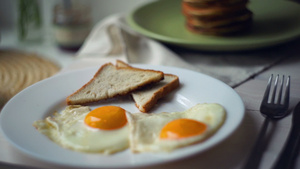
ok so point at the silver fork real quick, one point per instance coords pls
(272, 107)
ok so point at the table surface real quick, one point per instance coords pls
(231, 153)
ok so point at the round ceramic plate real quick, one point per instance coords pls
(44, 98)
(274, 22)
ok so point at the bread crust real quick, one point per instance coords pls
(163, 91)
(156, 95)
(71, 101)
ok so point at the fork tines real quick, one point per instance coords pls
(279, 99)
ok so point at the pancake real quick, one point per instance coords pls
(215, 10)
(216, 17)
(214, 3)
(231, 29)
(210, 1)
(219, 21)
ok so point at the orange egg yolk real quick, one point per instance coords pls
(182, 128)
(106, 118)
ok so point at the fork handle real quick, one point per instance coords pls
(256, 153)
(288, 155)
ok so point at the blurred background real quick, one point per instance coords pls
(10, 12)
(100, 9)
(38, 38)
(42, 40)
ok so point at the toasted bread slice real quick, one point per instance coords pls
(110, 81)
(146, 97)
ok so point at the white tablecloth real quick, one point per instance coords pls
(112, 39)
(232, 68)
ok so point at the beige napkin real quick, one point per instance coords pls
(113, 39)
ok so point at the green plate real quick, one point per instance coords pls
(274, 22)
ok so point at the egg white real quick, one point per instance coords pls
(69, 131)
(145, 128)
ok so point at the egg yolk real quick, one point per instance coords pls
(182, 128)
(106, 118)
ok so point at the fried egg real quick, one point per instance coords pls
(102, 130)
(165, 132)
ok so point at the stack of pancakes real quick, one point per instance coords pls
(217, 17)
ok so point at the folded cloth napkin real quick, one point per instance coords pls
(113, 39)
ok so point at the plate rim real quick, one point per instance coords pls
(136, 165)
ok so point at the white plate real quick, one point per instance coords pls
(43, 98)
